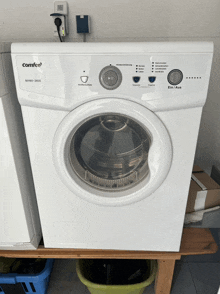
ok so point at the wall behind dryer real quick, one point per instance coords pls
(121, 20)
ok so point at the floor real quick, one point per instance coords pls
(192, 275)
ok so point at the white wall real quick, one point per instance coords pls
(115, 19)
(129, 20)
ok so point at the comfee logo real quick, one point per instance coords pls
(31, 64)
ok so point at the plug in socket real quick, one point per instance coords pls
(63, 27)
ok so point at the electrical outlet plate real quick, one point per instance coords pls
(61, 7)
(63, 28)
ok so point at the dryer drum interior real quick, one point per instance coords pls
(110, 152)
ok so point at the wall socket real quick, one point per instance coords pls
(63, 27)
(61, 9)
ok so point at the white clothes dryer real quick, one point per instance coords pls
(19, 218)
(112, 131)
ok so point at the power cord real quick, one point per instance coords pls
(58, 23)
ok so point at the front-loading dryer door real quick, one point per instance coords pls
(112, 151)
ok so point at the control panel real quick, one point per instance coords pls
(67, 80)
(110, 77)
(144, 75)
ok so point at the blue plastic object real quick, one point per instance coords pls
(34, 283)
(136, 79)
(82, 24)
(151, 79)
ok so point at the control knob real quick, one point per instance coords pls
(110, 77)
(175, 77)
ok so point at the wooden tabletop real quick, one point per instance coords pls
(194, 241)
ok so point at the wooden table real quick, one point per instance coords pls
(194, 242)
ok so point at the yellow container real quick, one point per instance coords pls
(117, 289)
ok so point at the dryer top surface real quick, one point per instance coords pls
(113, 47)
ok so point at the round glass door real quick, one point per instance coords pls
(110, 152)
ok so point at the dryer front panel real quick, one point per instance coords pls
(112, 151)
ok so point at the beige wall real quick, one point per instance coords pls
(129, 20)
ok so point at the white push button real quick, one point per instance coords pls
(84, 79)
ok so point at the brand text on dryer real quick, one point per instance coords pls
(31, 64)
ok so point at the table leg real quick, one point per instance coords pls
(164, 276)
